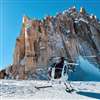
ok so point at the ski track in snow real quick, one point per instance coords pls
(25, 90)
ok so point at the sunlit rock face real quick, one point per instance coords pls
(68, 34)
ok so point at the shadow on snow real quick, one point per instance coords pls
(90, 94)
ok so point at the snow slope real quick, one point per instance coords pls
(85, 71)
(25, 90)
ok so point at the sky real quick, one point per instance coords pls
(12, 11)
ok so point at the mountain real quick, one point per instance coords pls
(69, 34)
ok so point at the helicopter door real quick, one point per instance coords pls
(64, 71)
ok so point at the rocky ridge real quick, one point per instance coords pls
(68, 34)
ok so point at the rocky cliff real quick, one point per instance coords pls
(68, 34)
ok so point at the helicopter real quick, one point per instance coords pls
(59, 71)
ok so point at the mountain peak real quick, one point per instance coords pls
(68, 34)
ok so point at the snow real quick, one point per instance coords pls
(68, 31)
(91, 16)
(76, 21)
(88, 67)
(25, 90)
(95, 17)
(63, 12)
(82, 19)
(86, 71)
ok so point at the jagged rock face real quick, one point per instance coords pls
(69, 34)
(2, 74)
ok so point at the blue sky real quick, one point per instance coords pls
(12, 11)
